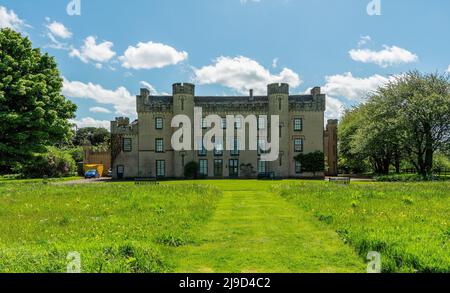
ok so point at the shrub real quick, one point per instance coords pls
(191, 170)
(53, 163)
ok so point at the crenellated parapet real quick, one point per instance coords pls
(123, 126)
(278, 89)
(183, 89)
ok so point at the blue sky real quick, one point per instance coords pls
(229, 46)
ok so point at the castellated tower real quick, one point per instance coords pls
(278, 97)
(183, 104)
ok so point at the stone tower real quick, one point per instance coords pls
(278, 96)
(183, 104)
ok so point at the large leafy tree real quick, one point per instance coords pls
(33, 113)
(91, 136)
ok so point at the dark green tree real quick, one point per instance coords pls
(191, 170)
(91, 136)
(33, 112)
(312, 162)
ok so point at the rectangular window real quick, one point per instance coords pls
(262, 123)
(233, 168)
(262, 146)
(203, 165)
(298, 167)
(237, 123)
(235, 150)
(159, 123)
(224, 123)
(203, 123)
(127, 144)
(202, 151)
(262, 167)
(218, 150)
(298, 145)
(159, 145)
(298, 124)
(218, 168)
(160, 168)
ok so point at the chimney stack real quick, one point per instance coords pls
(251, 95)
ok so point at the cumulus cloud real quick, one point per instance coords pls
(9, 19)
(389, 56)
(59, 30)
(448, 69)
(353, 88)
(91, 122)
(151, 55)
(364, 40)
(123, 102)
(334, 108)
(242, 74)
(99, 110)
(91, 51)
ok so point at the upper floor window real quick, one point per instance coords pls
(235, 150)
(224, 123)
(262, 123)
(127, 144)
(298, 124)
(159, 123)
(203, 123)
(218, 150)
(238, 123)
(159, 145)
(298, 145)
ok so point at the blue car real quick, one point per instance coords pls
(91, 174)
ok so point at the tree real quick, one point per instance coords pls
(191, 170)
(33, 113)
(350, 161)
(422, 106)
(312, 162)
(92, 136)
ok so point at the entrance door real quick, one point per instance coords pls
(120, 171)
(233, 167)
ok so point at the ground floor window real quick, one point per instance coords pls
(262, 167)
(120, 171)
(160, 168)
(218, 168)
(298, 167)
(233, 167)
(203, 165)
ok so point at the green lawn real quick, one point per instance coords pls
(224, 226)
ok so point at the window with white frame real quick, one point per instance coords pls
(160, 168)
(298, 167)
(159, 145)
(298, 145)
(235, 150)
(203, 167)
(159, 123)
(127, 144)
(298, 124)
(262, 123)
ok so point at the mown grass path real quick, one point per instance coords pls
(255, 230)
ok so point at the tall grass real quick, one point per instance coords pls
(114, 227)
(408, 223)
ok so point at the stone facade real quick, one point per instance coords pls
(143, 148)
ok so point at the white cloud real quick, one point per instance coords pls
(91, 51)
(151, 55)
(124, 103)
(334, 108)
(389, 56)
(364, 40)
(59, 30)
(9, 19)
(448, 69)
(352, 88)
(91, 122)
(242, 74)
(99, 110)
(148, 86)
